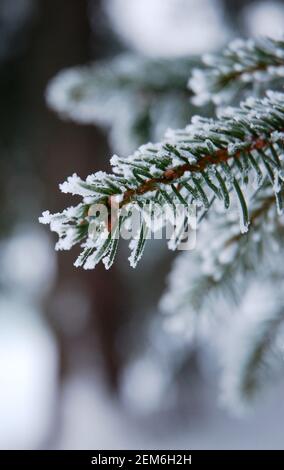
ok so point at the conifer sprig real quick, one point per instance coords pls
(134, 99)
(228, 261)
(231, 267)
(243, 64)
(209, 158)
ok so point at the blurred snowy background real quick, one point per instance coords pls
(85, 361)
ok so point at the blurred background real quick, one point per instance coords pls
(85, 360)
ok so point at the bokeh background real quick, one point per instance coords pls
(85, 360)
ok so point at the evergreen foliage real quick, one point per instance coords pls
(208, 159)
(243, 65)
(133, 98)
(229, 164)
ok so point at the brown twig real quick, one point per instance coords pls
(172, 174)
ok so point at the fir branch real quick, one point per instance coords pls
(243, 64)
(208, 158)
(226, 267)
(135, 99)
(216, 164)
(226, 259)
(173, 175)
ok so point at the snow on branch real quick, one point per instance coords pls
(134, 98)
(229, 292)
(208, 159)
(243, 64)
(226, 259)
